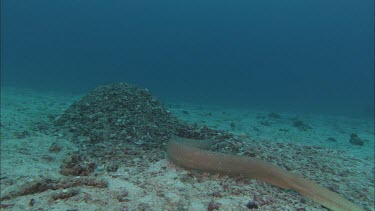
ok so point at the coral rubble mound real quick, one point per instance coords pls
(120, 112)
(114, 118)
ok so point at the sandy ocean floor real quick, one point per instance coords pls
(314, 146)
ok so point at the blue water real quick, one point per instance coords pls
(297, 55)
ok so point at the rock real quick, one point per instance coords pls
(355, 140)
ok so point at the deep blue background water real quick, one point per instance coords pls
(313, 55)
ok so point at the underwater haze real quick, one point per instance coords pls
(283, 87)
(310, 56)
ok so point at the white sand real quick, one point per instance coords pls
(25, 157)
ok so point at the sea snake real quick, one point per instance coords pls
(191, 154)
